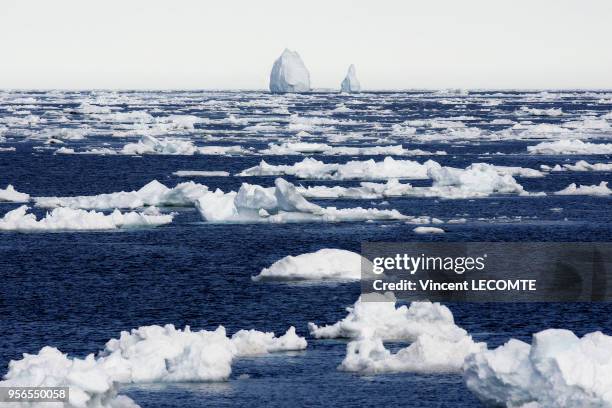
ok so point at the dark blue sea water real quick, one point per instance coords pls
(76, 290)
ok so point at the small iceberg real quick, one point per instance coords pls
(289, 74)
(350, 84)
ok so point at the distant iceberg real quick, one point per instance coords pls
(350, 83)
(289, 74)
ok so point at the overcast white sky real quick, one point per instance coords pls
(395, 44)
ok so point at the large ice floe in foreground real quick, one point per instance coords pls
(279, 204)
(350, 83)
(324, 264)
(69, 219)
(13, 196)
(148, 354)
(581, 165)
(570, 146)
(557, 370)
(289, 74)
(437, 343)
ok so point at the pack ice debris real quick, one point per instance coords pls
(279, 204)
(428, 230)
(148, 354)
(13, 196)
(601, 189)
(570, 146)
(68, 219)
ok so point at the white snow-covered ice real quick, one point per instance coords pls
(557, 370)
(11, 195)
(69, 219)
(324, 264)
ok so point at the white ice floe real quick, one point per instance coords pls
(570, 146)
(581, 165)
(350, 84)
(152, 194)
(289, 74)
(168, 146)
(201, 173)
(298, 148)
(324, 264)
(437, 344)
(601, 189)
(145, 355)
(279, 204)
(428, 230)
(477, 180)
(427, 354)
(557, 370)
(68, 219)
(377, 316)
(13, 196)
(540, 112)
(90, 385)
(310, 168)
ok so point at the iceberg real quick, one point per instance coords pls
(289, 74)
(13, 196)
(558, 369)
(350, 84)
(68, 219)
(279, 204)
(148, 354)
(324, 264)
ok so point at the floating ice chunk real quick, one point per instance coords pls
(168, 146)
(289, 74)
(428, 230)
(7, 149)
(151, 145)
(595, 190)
(62, 219)
(152, 194)
(253, 342)
(570, 146)
(144, 355)
(324, 264)
(294, 148)
(427, 354)
(201, 173)
(13, 196)
(540, 112)
(367, 170)
(377, 317)
(90, 385)
(581, 165)
(557, 370)
(279, 204)
(350, 83)
(477, 180)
